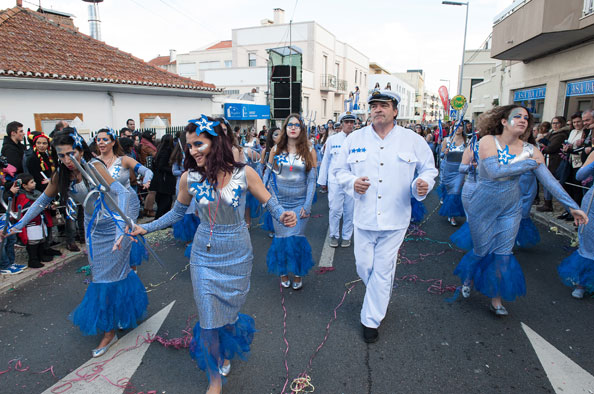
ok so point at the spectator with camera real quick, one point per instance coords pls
(7, 264)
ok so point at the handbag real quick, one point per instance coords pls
(59, 219)
(36, 232)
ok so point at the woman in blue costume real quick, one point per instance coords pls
(253, 209)
(451, 151)
(468, 166)
(495, 207)
(116, 297)
(294, 184)
(120, 166)
(272, 139)
(185, 229)
(578, 269)
(528, 235)
(221, 257)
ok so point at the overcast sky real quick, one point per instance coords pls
(397, 34)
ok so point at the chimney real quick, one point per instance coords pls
(279, 16)
(172, 55)
(19, 3)
(94, 22)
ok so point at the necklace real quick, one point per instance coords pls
(292, 161)
(110, 161)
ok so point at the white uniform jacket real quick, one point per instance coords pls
(390, 165)
(333, 145)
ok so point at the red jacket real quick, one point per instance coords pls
(24, 202)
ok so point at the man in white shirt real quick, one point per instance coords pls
(339, 202)
(377, 165)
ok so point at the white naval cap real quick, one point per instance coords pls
(383, 95)
(348, 115)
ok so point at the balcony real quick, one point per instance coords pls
(531, 29)
(342, 85)
(328, 82)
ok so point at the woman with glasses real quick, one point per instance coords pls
(294, 184)
(120, 168)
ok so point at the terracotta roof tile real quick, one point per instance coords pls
(160, 61)
(220, 45)
(31, 46)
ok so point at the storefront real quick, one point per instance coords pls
(533, 99)
(579, 96)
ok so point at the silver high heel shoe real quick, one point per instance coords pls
(225, 370)
(102, 350)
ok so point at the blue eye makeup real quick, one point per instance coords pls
(106, 139)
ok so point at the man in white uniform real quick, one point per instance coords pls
(339, 202)
(376, 165)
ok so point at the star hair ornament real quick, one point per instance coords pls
(204, 124)
(78, 141)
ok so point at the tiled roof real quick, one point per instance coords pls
(221, 45)
(32, 46)
(160, 61)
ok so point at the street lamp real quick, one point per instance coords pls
(464, 45)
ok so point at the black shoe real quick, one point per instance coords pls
(46, 258)
(72, 247)
(52, 252)
(370, 335)
(564, 216)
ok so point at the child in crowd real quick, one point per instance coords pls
(35, 234)
(7, 265)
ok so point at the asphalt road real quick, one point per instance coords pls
(426, 345)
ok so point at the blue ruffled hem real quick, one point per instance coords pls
(289, 254)
(462, 238)
(452, 206)
(184, 229)
(253, 205)
(441, 191)
(417, 210)
(528, 234)
(266, 221)
(138, 254)
(210, 347)
(577, 270)
(500, 276)
(108, 306)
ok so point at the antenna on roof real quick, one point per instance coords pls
(94, 21)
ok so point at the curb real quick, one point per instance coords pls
(11, 282)
(549, 219)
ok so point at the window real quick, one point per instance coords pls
(325, 65)
(473, 82)
(324, 107)
(251, 60)
(230, 92)
(337, 70)
(228, 63)
(146, 119)
(47, 122)
(208, 65)
(187, 69)
(306, 104)
(365, 80)
(356, 76)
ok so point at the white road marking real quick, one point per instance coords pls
(327, 257)
(564, 374)
(123, 366)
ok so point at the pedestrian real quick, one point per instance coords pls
(146, 156)
(577, 270)
(221, 257)
(366, 168)
(58, 127)
(293, 184)
(131, 125)
(452, 149)
(12, 146)
(115, 298)
(164, 181)
(340, 203)
(7, 256)
(271, 140)
(495, 209)
(123, 168)
(574, 148)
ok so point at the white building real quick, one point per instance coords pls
(42, 82)
(331, 68)
(416, 79)
(383, 79)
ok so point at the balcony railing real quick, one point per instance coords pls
(343, 85)
(328, 82)
(588, 7)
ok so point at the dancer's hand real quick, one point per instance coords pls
(303, 213)
(288, 219)
(361, 185)
(118, 244)
(579, 216)
(422, 187)
(136, 231)
(146, 185)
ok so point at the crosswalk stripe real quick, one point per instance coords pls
(327, 257)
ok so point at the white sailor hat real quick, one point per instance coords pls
(348, 115)
(383, 95)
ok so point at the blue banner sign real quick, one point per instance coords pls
(537, 93)
(581, 88)
(235, 111)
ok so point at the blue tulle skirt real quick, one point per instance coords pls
(253, 205)
(462, 238)
(210, 347)
(184, 230)
(417, 210)
(289, 254)
(577, 270)
(452, 206)
(528, 235)
(112, 305)
(138, 254)
(499, 275)
(267, 221)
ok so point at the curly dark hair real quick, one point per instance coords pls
(220, 157)
(490, 122)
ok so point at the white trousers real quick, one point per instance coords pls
(376, 253)
(341, 205)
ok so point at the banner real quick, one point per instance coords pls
(445, 99)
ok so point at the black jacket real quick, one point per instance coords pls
(13, 153)
(163, 181)
(34, 166)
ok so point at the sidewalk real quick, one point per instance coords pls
(549, 219)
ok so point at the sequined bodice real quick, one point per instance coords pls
(119, 173)
(291, 168)
(226, 205)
